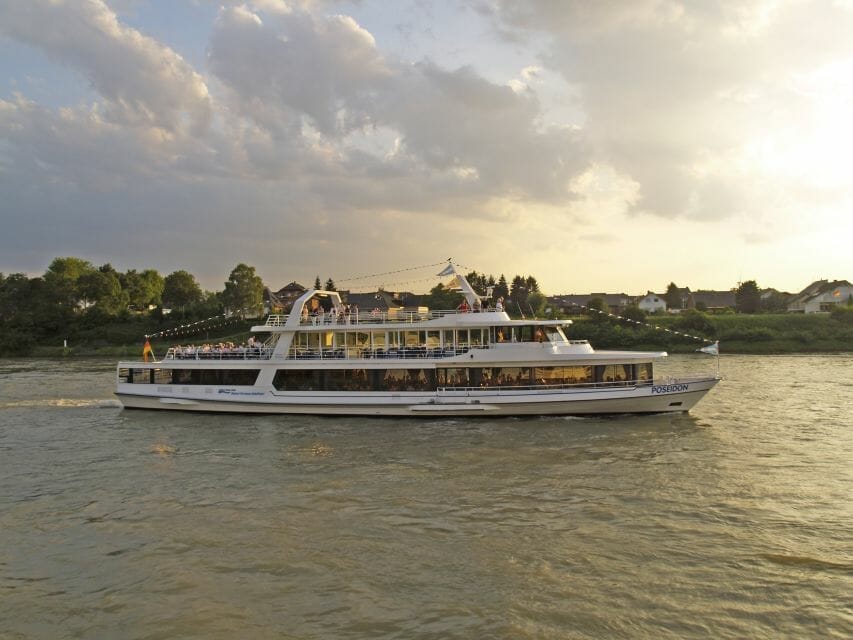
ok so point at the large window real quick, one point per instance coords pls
(563, 375)
(644, 372)
(454, 377)
(617, 374)
(236, 377)
(354, 380)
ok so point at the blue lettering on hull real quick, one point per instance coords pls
(669, 388)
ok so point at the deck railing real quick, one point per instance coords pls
(217, 353)
(360, 317)
(365, 353)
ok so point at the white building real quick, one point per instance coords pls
(652, 302)
(822, 296)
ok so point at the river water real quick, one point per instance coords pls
(733, 521)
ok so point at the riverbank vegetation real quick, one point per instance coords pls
(78, 309)
(737, 333)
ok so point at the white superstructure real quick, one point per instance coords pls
(322, 359)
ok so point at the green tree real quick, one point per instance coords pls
(62, 277)
(531, 284)
(442, 298)
(180, 289)
(244, 290)
(536, 301)
(633, 312)
(143, 289)
(774, 302)
(501, 289)
(518, 293)
(672, 297)
(317, 284)
(748, 297)
(103, 288)
(696, 322)
(330, 285)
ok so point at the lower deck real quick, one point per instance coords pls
(654, 397)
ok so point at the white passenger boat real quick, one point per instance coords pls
(319, 360)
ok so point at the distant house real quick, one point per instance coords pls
(282, 300)
(821, 296)
(714, 301)
(652, 302)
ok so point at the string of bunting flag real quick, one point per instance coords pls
(387, 273)
(712, 348)
(193, 328)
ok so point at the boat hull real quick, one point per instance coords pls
(673, 397)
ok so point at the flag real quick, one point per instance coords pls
(147, 350)
(447, 271)
(713, 349)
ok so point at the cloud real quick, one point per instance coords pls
(142, 81)
(293, 73)
(674, 93)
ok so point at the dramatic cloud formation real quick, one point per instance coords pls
(568, 139)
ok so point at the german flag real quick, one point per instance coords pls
(147, 351)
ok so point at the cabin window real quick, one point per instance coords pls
(462, 338)
(433, 339)
(230, 377)
(354, 380)
(563, 375)
(554, 334)
(124, 375)
(453, 377)
(297, 380)
(407, 380)
(140, 376)
(447, 337)
(411, 338)
(162, 376)
(644, 372)
(346, 380)
(378, 339)
(513, 376)
(613, 373)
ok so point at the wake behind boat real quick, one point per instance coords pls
(474, 360)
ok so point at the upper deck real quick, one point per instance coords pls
(394, 318)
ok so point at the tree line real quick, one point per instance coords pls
(75, 297)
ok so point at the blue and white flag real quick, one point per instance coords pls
(713, 349)
(448, 271)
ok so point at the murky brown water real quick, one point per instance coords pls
(734, 521)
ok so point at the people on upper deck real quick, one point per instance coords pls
(464, 308)
(499, 305)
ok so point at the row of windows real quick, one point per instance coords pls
(329, 340)
(458, 377)
(398, 379)
(213, 377)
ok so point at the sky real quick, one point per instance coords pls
(599, 146)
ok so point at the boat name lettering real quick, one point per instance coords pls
(669, 388)
(234, 392)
